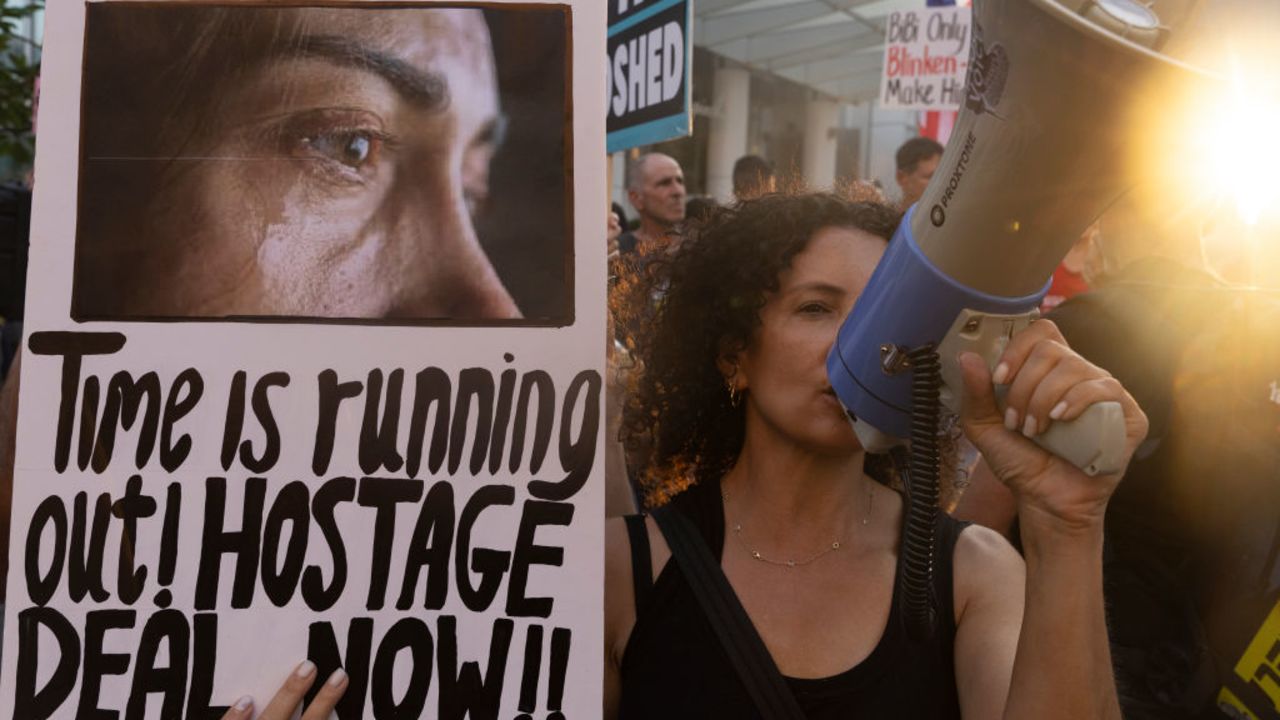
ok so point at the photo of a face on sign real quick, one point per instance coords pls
(398, 165)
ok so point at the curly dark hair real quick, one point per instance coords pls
(689, 306)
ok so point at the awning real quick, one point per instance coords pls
(833, 46)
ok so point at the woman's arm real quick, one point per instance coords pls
(1062, 663)
(619, 600)
(989, 584)
(619, 609)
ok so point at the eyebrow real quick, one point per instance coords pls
(817, 286)
(421, 87)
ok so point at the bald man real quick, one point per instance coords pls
(655, 187)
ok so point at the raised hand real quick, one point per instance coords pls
(1047, 382)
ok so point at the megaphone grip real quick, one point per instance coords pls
(1093, 442)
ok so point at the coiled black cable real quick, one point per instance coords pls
(921, 481)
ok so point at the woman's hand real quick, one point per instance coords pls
(1047, 382)
(290, 696)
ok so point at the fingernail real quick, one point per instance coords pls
(1000, 375)
(1011, 419)
(243, 704)
(305, 669)
(1058, 410)
(1029, 427)
(338, 677)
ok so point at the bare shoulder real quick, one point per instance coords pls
(619, 583)
(990, 591)
(987, 569)
(619, 605)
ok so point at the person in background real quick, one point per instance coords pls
(1072, 275)
(655, 188)
(753, 176)
(917, 159)
(699, 209)
(1192, 556)
(624, 222)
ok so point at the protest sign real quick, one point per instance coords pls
(926, 56)
(313, 366)
(650, 56)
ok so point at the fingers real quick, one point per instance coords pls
(1081, 395)
(1039, 370)
(979, 410)
(1021, 346)
(328, 696)
(1027, 379)
(1037, 406)
(1048, 382)
(241, 710)
(291, 693)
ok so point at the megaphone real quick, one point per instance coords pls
(1054, 95)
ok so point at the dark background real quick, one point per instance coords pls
(527, 226)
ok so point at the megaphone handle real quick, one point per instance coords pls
(1093, 442)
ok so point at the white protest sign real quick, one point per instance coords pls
(313, 361)
(926, 56)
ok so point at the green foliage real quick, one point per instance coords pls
(17, 78)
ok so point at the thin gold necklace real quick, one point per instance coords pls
(793, 563)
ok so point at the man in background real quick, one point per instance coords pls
(753, 176)
(655, 187)
(917, 160)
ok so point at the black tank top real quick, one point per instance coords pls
(675, 667)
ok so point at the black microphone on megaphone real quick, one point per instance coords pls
(1040, 150)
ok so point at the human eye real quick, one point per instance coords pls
(344, 145)
(813, 307)
(352, 148)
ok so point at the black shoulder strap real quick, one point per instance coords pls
(641, 560)
(750, 658)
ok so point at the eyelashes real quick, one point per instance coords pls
(340, 145)
(353, 149)
(349, 148)
(813, 308)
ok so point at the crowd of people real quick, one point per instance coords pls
(1152, 596)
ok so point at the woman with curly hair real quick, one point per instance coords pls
(742, 436)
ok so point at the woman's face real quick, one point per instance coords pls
(340, 178)
(784, 368)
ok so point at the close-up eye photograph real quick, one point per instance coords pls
(403, 165)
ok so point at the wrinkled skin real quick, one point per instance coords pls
(340, 180)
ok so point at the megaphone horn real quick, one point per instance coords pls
(1039, 150)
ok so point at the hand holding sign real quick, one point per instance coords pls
(287, 700)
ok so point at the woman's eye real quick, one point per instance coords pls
(353, 148)
(813, 308)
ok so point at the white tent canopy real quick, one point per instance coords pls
(833, 46)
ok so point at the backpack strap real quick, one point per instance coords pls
(746, 651)
(641, 560)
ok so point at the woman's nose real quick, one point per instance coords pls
(478, 293)
(446, 272)
(449, 274)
